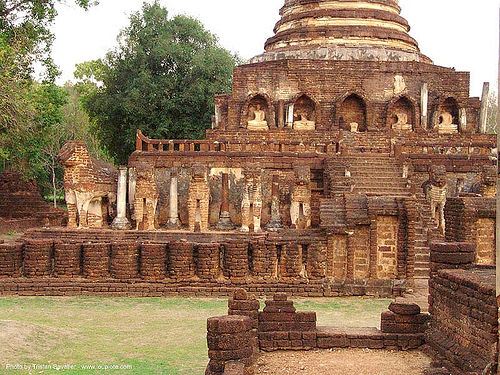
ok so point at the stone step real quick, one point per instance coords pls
(422, 272)
(381, 184)
(422, 258)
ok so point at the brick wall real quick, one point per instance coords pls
(387, 247)
(485, 241)
(234, 340)
(464, 324)
(337, 256)
(22, 206)
(473, 219)
(330, 82)
(359, 247)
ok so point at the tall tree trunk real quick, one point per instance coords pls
(54, 188)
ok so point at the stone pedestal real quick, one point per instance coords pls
(448, 129)
(225, 223)
(304, 125)
(173, 214)
(121, 222)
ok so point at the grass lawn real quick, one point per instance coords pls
(146, 335)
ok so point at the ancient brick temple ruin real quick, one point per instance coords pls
(340, 155)
(22, 206)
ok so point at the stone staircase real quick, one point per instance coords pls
(372, 174)
(370, 142)
(377, 174)
(426, 230)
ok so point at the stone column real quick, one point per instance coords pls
(289, 121)
(225, 223)
(217, 116)
(173, 213)
(281, 114)
(424, 101)
(275, 223)
(121, 222)
(462, 120)
(484, 108)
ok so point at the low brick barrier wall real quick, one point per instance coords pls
(124, 261)
(67, 259)
(280, 327)
(153, 261)
(464, 326)
(259, 265)
(38, 258)
(96, 258)
(11, 260)
(230, 345)
(451, 255)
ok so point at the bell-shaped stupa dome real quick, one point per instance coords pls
(370, 30)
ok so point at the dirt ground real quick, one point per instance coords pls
(343, 362)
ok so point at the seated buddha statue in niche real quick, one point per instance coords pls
(304, 123)
(401, 121)
(259, 122)
(446, 125)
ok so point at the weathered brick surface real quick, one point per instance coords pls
(464, 324)
(473, 219)
(263, 263)
(22, 206)
(67, 259)
(236, 259)
(230, 345)
(451, 255)
(387, 247)
(96, 257)
(11, 259)
(281, 327)
(181, 263)
(153, 261)
(124, 260)
(207, 260)
(38, 256)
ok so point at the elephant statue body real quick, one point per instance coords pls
(90, 187)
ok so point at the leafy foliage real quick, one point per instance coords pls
(25, 26)
(33, 123)
(161, 79)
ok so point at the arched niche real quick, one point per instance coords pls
(257, 113)
(352, 114)
(401, 114)
(304, 113)
(447, 116)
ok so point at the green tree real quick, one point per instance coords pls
(32, 119)
(161, 79)
(77, 124)
(25, 26)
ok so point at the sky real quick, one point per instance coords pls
(453, 33)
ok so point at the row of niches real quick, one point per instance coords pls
(352, 114)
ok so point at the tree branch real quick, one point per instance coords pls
(14, 7)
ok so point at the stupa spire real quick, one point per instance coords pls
(342, 30)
